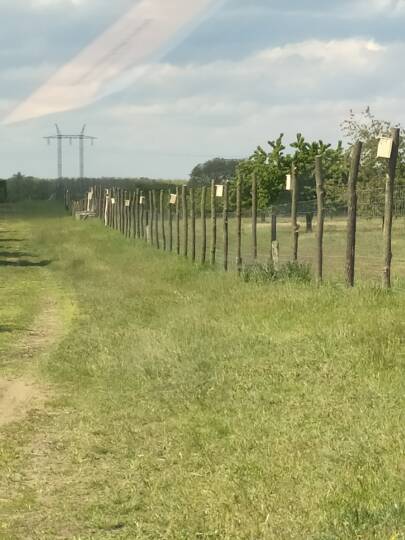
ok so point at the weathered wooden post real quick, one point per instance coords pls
(185, 220)
(226, 228)
(254, 217)
(178, 220)
(275, 255)
(213, 223)
(125, 207)
(138, 214)
(119, 208)
(142, 200)
(127, 204)
(113, 208)
(352, 213)
(170, 222)
(309, 216)
(151, 218)
(193, 236)
(162, 218)
(203, 224)
(135, 213)
(320, 195)
(389, 207)
(294, 212)
(131, 214)
(156, 219)
(238, 225)
(273, 232)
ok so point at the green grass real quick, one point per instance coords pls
(188, 404)
(369, 252)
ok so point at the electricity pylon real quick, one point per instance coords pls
(81, 137)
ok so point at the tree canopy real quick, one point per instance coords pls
(218, 168)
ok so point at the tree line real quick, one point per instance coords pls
(269, 164)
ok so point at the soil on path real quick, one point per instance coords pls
(20, 396)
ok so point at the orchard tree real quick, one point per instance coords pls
(270, 169)
(218, 168)
(367, 128)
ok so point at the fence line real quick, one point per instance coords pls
(176, 220)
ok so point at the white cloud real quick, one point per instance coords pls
(303, 72)
(175, 115)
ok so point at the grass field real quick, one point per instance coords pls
(142, 397)
(369, 252)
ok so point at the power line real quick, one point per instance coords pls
(59, 137)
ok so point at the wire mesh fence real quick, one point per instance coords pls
(160, 220)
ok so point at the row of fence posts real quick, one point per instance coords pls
(142, 215)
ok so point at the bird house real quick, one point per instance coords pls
(127, 202)
(173, 198)
(288, 182)
(219, 190)
(385, 147)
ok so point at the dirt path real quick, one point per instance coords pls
(17, 398)
(20, 396)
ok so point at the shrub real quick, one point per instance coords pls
(262, 273)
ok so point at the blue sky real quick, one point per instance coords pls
(251, 70)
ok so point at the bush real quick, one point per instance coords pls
(262, 273)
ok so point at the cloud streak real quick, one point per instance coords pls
(144, 33)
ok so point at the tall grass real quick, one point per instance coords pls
(190, 404)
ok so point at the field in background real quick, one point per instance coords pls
(369, 251)
(177, 402)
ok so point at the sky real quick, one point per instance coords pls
(233, 77)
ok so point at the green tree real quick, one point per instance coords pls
(365, 127)
(270, 169)
(218, 168)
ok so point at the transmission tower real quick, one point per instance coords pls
(59, 137)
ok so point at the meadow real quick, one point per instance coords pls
(162, 400)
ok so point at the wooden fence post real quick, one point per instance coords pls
(309, 216)
(113, 208)
(142, 214)
(254, 217)
(320, 195)
(185, 220)
(127, 214)
(213, 223)
(273, 233)
(151, 218)
(170, 224)
(203, 224)
(389, 208)
(275, 255)
(178, 220)
(131, 214)
(352, 213)
(156, 218)
(109, 211)
(135, 213)
(225, 220)
(294, 211)
(138, 213)
(193, 239)
(238, 225)
(119, 209)
(162, 219)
